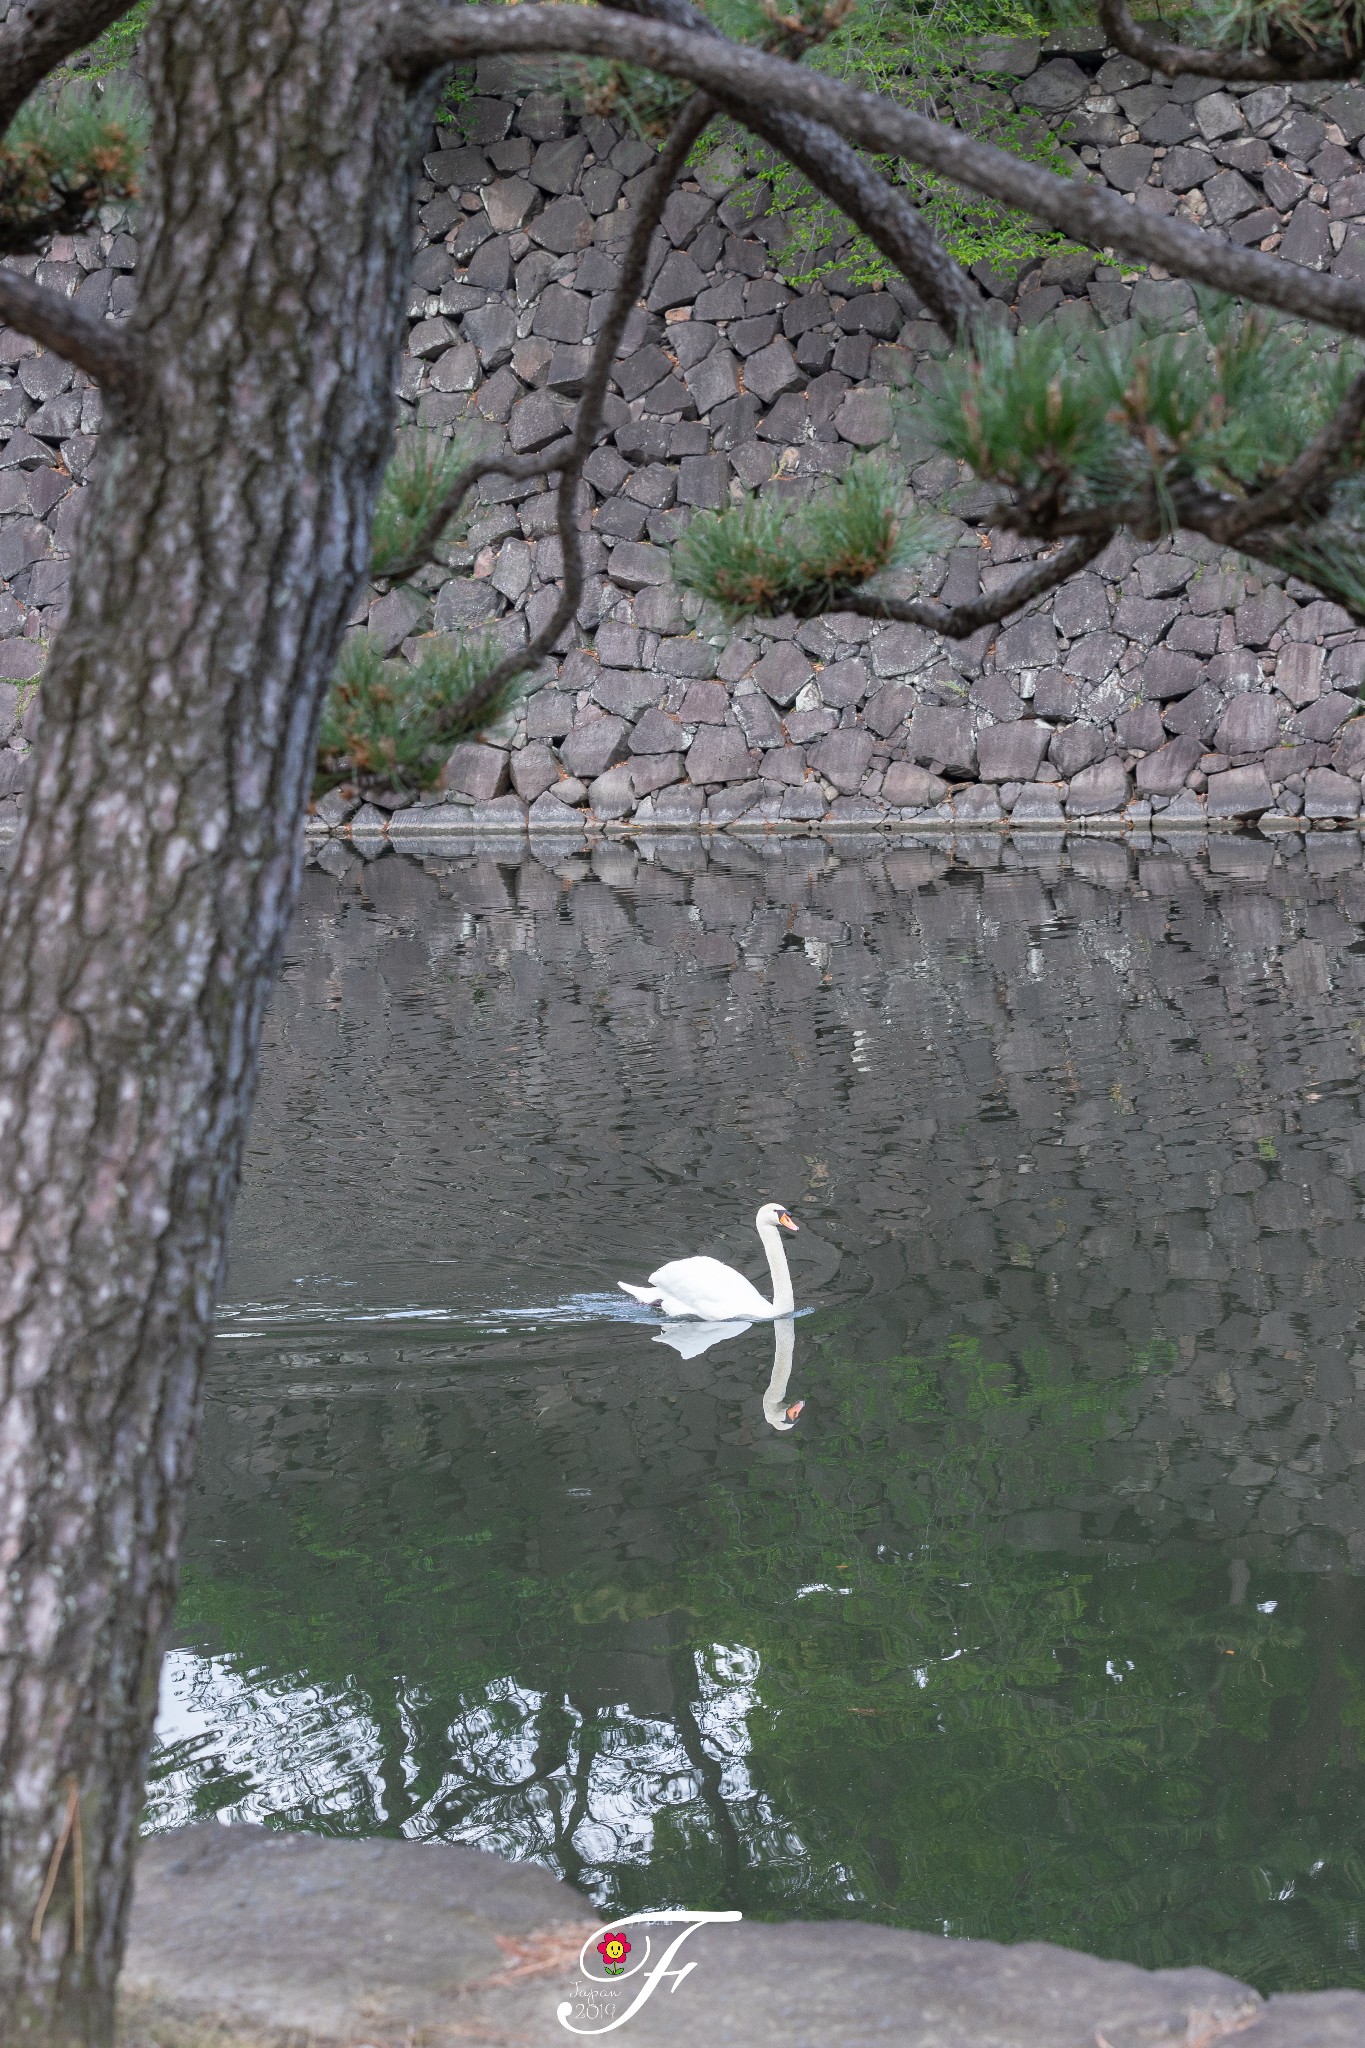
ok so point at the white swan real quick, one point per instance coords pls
(717, 1293)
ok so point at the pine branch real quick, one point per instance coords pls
(1284, 62)
(1332, 449)
(588, 423)
(392, 724)
(95, 346)
(482, 694)
(59, 165)
(881, 211)
(41, 34)
(758, 560)
(430, 38)
(959, 621)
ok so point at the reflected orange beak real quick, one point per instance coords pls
(785, 1220)
(795, 1410)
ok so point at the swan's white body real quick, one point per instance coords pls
(717, 1293)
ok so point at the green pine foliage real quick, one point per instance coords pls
(423, 468)
(115, 49)
(392, 723)
(1126, 423)
(1286, 27)
(924, 53)
(762, 559)
(60, 162)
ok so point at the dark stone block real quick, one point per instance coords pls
(1166, 675)
(703, 481)
(782, 673)
(565, 225)
(561, 315)
(1198, 712)
(1053, 87)
(843, 758)
(1127, 167)
(871, 313)
(1324, 719)
(1164, 771)
(677, 284)
(719, 754)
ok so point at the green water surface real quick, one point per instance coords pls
(1043, 1620)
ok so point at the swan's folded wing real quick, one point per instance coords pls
(707, 1288)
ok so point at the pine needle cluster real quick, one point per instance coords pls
(1228, 403)
(1330, 552)
(762, 559)
(1285, 28)
(417, 481)
(391, 724)
(1155, 429)
(59, 164)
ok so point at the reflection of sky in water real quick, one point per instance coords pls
(315, 1751)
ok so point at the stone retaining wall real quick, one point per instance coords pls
(1167, 683)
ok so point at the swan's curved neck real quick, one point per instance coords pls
(783, 1298)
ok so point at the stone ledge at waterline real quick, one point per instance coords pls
(246, 1936)
(1165, 682)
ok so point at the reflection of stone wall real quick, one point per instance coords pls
(1106, 1105)
(1164, 680)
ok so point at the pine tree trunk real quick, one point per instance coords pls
(225, 541)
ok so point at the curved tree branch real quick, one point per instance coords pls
(958, 621)
(38, 35)
(101, 350)
(883, 213)
(587, 425)
(1263, 65)
(1084, 211)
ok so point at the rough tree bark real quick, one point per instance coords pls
(226, 538)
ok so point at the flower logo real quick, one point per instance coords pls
(613, 1949)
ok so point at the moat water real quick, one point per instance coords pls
(1045, 1620)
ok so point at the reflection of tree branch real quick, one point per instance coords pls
(1264, 65)
(550, 1763)
(687, 1695)
(579, 1781)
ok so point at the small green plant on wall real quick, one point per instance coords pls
(934, 56)
(115, 49)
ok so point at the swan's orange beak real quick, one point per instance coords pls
(785, 1220)
(795, 1410)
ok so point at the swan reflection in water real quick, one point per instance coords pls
(689, 1340)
